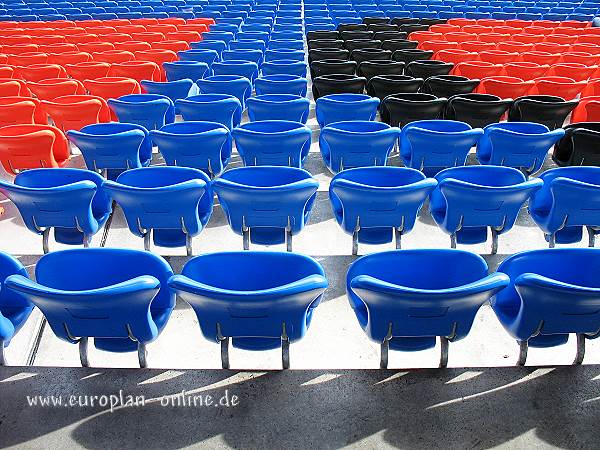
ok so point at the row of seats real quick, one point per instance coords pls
(269, 205)
(123, 299)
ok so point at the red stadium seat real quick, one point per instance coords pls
(455, 56)
(459, 36)
(515, 47)
(63, 59)
(534, 29)
(494, 37)
(73, 112)
(518, 23)
(113, 56)
(101, 29)
(138, 70)
(504, 29)
(114, 38)
(578, 72)
(478, 69)
(148, 37)
(95, 47)
(498, 56)
(477, 46)
(188, 36)
(50, 40)
(112, 87)
(586, 59)
(542, 58)
(592, 49)
(198, 27)
(461, 22)
(7, 71)
(422, 36)
(505, 87)
(82, 39)
(26, 59)
(443, 28)
(526, 70)
(88, 70)
(128, 29)
(591, 89)
(574, 24)
(58, 48)
(589, 39)
(174, 46)
(38, 72)
(157, 56)
(132, 46)
(162, 28)
(561, 39)
(56, 87)
(13, 87)
(32, 146)
(528, 38)
(17, 49)
(588, 110)
(15, 110)
(564, 87)
(436, 46)
(476, 29)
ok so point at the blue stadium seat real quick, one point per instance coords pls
(272, 143)
(14, 310)
(113, 147)
(432, 145)
(289, 44)
(246, 69)
(175, 90)
(357, 143)
(275, 295)
(522, 145)
(252, 55)
(470, 199)
(552, 293)
(248, 44)
(207, 56)
(69, 200)
(284, 67)
(376, 204)
(342, 107)
(266, 205)
(285, 54)
(216, 45)
(281, 84)
(567, 202)
(166, 205)
(151, 111)
(118, 297)
(202, 145)
(236, 85)
(220, 108)
(182, 70)
(404, 299)
(278, 107)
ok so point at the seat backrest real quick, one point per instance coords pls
(61, 198)
(32, 146)
(162, 198)
(148, 110)
(201, 145)
(76, 290)
(113, 145)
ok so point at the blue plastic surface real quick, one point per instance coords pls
(267, 200)
(356, 143)
(433, 145)
(69, 200)
(470, 199)
(220, 108)
(273, 142)
(377, 200)
(238, 86)
(201, 145)
(175, 90)
(281, 84)
(109, 294)
(342, 107)
(413, 296)
(14, 310)
(151, 111)
(182, 70)
(552, 293)
(270, 290)
(522, 145)
(171, 201)
(278, 107)
(113, 146)
(568, 201)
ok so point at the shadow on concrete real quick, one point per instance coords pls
(457, 408)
